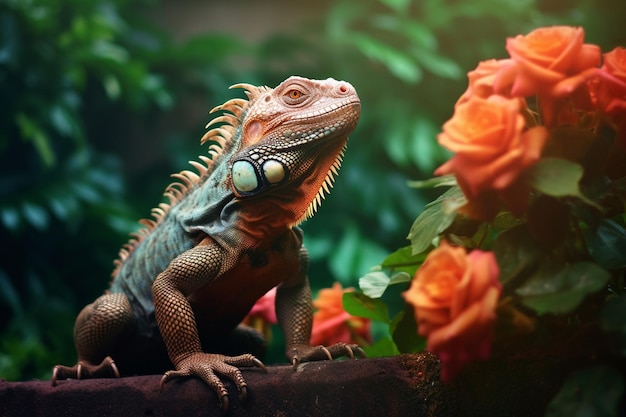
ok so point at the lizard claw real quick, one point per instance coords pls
(85, 369)
(305, 353)
(208, 366)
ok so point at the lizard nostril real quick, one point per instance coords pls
(343, 88)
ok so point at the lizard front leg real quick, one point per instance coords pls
(294, 311)
(97, 329)
(175, 318)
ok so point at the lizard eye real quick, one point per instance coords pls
(294, 96)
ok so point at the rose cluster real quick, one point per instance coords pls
(503, 124)
(496, 135)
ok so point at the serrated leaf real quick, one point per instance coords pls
(360, 305)
(436, 217)
(558, 178)
(374, 284)
(560, 289)
(591, 392)
(607, 244)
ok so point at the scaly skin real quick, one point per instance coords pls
(227, 236)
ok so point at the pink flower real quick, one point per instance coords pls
(264, 307)
(263, 314)
(454, 296)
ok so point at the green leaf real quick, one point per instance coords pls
(403, 260)
(560, 289)
(591, 392)
(517, 253)
(360, 305)
(443, 181)
(558, 178)
(398, 139)
(382, 348)
(354, 255)
(438, 64)
(374, 284)
(397, 62)
(399, 6)
(400, 278)
(403, 330)
(423, 148)
(10, 218)
(436, 217)
(607, 244)
(419, 34)
(612, 321)
(36, 215)
(569, 142)
(30, 130)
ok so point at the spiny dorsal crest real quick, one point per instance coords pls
(220, 137)
(325, 188)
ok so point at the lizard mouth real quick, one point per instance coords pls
(317, 128)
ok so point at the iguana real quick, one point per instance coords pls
(228, 235)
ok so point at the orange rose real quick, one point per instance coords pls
(550, 58)
(454, 296)
(615, 63)
(490, 143)
(483, 79)
(332, 324)
(610, 89)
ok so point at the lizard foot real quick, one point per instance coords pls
(208, 366)
(306, 353)
(84, 370)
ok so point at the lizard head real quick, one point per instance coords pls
(293, 139)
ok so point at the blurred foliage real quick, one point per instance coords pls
(96, 102)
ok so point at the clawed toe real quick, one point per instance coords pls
(210, 367)
(85, 370)
(305, 353)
